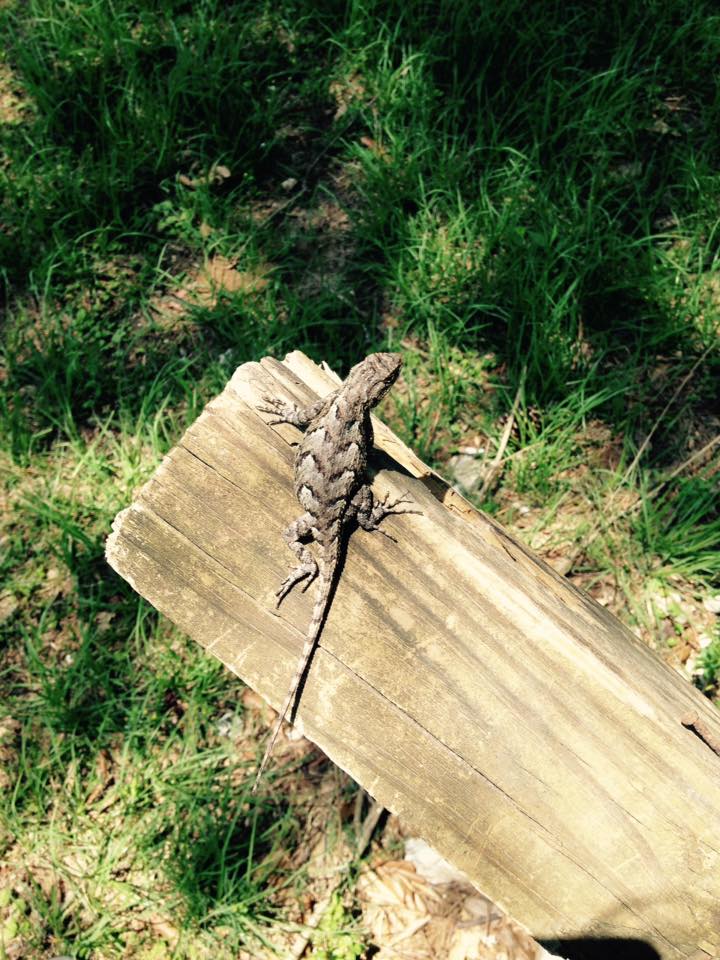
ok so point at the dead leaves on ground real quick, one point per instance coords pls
(410, 918)
(204, 284)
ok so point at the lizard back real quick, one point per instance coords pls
(331, 460)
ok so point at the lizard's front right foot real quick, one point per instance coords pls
(385, 508)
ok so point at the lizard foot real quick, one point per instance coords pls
(279, 410)
(305, 571)
(386, 507)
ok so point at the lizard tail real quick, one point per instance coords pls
(327, 576)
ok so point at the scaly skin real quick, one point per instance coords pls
(331, 487)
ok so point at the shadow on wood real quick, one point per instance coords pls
(505, 716)
(603, 950)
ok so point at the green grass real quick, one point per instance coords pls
(522, 200)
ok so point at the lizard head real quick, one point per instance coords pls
(372, 377)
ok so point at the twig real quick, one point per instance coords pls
(301, 941)
(659, 420)
(497, 459)
(601, 525)
(650, 495)
(683, 466)
(371, 821)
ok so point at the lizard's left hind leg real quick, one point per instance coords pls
(298, 531)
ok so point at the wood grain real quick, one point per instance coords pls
(505, 716)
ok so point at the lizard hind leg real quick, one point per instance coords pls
(298, 531)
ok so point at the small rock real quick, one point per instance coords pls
(228, 725)
(712, 604)
(8, 605)
(429, 863)
(468, 472)
(667, 604)
(561, 565)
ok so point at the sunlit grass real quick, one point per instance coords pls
(523, 201)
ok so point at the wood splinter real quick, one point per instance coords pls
(693, 722)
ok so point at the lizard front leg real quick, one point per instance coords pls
(284, 412)
(298, 531)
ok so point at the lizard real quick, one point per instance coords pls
(332, 487)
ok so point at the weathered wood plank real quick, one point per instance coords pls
(507, 717)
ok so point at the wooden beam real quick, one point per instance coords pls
(503, 714)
